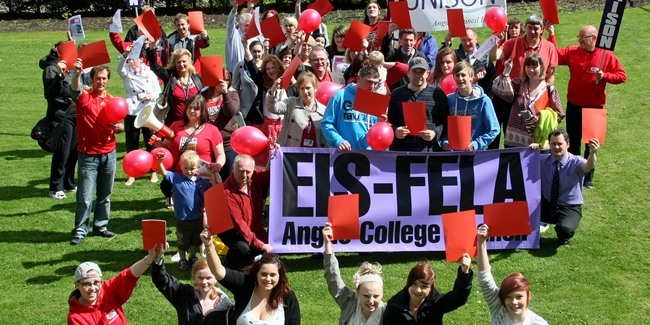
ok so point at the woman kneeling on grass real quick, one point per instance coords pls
(262, 292)
(363, 305)
(508, 305)
(201, 303)
(420, 303)
(95, 301)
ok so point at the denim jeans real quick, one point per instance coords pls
(94, 171)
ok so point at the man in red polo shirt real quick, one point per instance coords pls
(96, 153)
(532, 42)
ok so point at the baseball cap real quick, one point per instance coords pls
(84, 268)
(418, 63)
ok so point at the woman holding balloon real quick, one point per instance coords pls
(194, 132)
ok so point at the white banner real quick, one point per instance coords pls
(431, 15)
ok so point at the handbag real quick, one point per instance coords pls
(162, 105)
(43, 132)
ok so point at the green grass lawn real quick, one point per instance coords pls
(601, 278)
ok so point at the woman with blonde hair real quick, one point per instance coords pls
(180, 78)
(363, 305)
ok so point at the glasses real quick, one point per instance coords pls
(87, 285)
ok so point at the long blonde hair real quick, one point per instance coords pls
(171, 66)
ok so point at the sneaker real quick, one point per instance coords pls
(588, 185)
(58, 195)
(184, 265)
(72, 190)
(543, 227)
(193, 260)
(176, 257)
(169, 204)
(104, 233)
(76, 241)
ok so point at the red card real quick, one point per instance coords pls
(322, 6)
(343, 214)
(154, 232)
(507, 218)
(290, 71)
(241, 2)
(459, 229)
(542, 102)
(399, 14)
(594, 124)
(415, 116)
(196, 22)
(459, 131)
(211, 70)
(381, 28)
(549, 10)
(216, 209)
(370, 102)
(94, 54)
(456, 23)
(68, 53)
(149, 25)
(272, 30)
(252, 30)
(357, 32)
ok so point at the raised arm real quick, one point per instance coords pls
(590, 163)
(139, 267)
(213, 260)
(482, 259)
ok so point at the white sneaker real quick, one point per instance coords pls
(543, 227)
(176, 257)
(58, 195)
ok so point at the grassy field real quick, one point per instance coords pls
(601, 278)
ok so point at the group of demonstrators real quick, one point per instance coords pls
(500, 92)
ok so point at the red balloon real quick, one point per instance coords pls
(309, 20)
(380, 136)
(116, 109)
(325, 91)
(137, 163)
(448, 84)
(248, 140)
(496, 19)
(168, 161)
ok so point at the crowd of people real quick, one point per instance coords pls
(502, 93)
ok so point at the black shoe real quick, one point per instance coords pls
(104, 233)
(564, 241)
(193, 260)
(588, 184)
(76, 241)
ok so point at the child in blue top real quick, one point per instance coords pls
(470, 100)
(189, 209)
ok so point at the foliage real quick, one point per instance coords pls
(601, 278)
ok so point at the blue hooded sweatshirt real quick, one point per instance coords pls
(342, 123)
(485, 126)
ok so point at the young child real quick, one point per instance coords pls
(470, 100)
(189, 209)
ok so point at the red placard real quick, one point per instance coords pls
(357, 32)
(154, 232)
(381, 28)
(216, 209)
(211, 70)
(459, 229)
(252, 30)
(68, 53)
(149, 25)
(197, 24)
(459, 131)
(241, 2)
(507, 218)
(289, 72)
(542, 102)
(456, 23)
(399, 14)
(322, 6)
(415, 117)
(343, 214)
(94, 54)
(272, 30)
(594, 124)
(549, 10)
(370, 102)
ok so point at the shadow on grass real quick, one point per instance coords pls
(30, 190)
(547, 247)
(24, 154)
(34, 236)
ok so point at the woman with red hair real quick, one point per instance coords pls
(420, 303)
(508, 305)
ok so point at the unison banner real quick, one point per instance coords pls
(402, 195)
(431, 15)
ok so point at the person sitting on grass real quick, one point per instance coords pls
(201, 303)
(187, 191)
(362, 305)
(95, 301)
(508, 304)
(262, 291)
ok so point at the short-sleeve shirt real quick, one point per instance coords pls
(188, 196)
(202, 141)
(571, 178)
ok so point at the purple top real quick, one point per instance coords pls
(571, 177)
